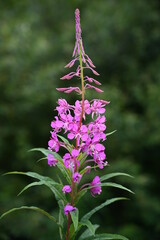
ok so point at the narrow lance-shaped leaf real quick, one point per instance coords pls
(60, 163)
(110, 175)
(42, 150)
(106, 203)
(29, 208)
(41, 159)
(106, 236)
(86, 223)
(116, 185)
(55, 187)
(74, 216)
(110, 184)
(87, 233)
(61, 218)
(30, 185)
(89, 225)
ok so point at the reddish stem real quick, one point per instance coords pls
(68, 227)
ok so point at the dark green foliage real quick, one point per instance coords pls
(36, 41)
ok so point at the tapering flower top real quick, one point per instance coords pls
(84, 63)
(79, 44)
(78, 24)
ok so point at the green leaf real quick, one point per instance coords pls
(111, 184)
(30, 185)
(89, 225)
(110, 175)
(61, 218)
(110, 133)
(29, 208)
(116, 185)
(75, 216)
(42, 150)
(65, 172)
(86, 223)
(41, 159)
(60, 164)
(55, 187)
(106, 236)
(106, 203)
(87, 233)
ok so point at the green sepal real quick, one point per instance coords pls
(110, 133)
(68, 145)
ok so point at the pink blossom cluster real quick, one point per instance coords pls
(82, 123)
(88, 137)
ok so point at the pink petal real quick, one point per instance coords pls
(70, 136)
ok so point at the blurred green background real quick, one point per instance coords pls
(122, 37)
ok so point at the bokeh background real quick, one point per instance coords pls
(122, 38)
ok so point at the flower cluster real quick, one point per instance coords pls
(83, 124)
(87, 137)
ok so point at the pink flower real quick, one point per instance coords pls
(51, 160)
(77, 177)
(57, 125)
(68, 208)
(67, 161)
(66, 189)
(78, 109)
(75, 153)
(70, 160)
(63, 107)
(54, 143)
(96, 189)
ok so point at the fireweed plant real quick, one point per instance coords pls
(84, 125)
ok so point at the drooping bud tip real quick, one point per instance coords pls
(77, 13)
